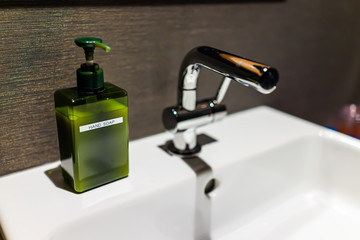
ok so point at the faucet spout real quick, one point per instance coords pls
(188, 114)
(259, 76)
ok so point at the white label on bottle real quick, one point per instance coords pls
(102, 124)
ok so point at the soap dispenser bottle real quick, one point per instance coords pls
(92, 124)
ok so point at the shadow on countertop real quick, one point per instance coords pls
(2, 235)
(57, 179)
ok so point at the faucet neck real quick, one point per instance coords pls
(247, 72)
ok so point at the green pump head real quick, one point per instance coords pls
(90, 77)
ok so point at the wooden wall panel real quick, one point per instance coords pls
(313, 43)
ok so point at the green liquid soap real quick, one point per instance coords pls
(92, 123)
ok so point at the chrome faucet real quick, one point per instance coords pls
(189, 113)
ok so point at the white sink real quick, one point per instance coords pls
(308, 188)
(277, 177)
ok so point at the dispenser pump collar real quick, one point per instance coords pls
(90, 77)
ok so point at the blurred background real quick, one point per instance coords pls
(315, 45)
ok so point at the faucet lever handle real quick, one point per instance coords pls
(222, 90)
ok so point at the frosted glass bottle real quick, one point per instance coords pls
(92, 123)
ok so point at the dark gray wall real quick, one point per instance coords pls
(313, 43)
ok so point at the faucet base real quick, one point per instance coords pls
(187, 151)
(202, 140)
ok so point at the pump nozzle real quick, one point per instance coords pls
(90, 77)
(89, 44)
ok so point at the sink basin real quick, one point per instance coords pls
(308, 188)
(274, 176)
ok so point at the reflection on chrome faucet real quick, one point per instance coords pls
(189, 113)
